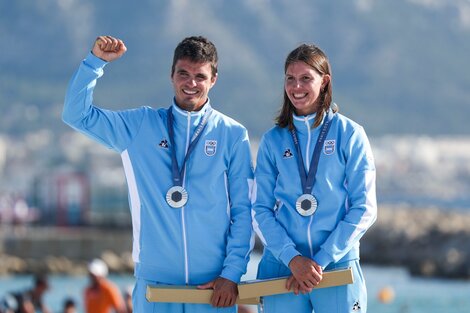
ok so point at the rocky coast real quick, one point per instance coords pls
(428, 242)
(25, 250)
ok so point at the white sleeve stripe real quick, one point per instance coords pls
(227, 196)
(371, 200)
(371, 205)
(134, 203)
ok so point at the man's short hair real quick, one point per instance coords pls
(197, 49)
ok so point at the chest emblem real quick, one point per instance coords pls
(287, 154)
(163, 144)
(210, 148)
(329, 147)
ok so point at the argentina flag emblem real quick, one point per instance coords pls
(329, 147)
(210, 147)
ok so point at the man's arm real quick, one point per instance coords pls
(239, 241)
(113, 129)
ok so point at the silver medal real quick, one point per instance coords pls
(176, 197)
(306, 205)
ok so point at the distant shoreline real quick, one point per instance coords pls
(428, 242)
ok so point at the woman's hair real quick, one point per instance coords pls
(316, 58)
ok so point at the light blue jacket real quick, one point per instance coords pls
(211, 235)
(344, 189)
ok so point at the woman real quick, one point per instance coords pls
(314, 196)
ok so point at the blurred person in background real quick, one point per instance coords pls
(69, 306)
(101, 295)
(31, 300)
(314, 194)
(189, 173)
(128, 299)
(8, 304)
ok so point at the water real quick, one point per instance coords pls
(412, 295)
(61, 287)
(416, 295)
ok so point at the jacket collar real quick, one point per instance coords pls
(303, 124)
(181, 116)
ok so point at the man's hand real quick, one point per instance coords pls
(306, 272)
(108, 48)
(225, 292)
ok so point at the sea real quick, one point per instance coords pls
(390, 290)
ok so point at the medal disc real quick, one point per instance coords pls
(306, 205)
(176, 197)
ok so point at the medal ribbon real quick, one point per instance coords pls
(308, 179)
(176, 172)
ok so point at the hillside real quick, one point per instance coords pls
(399, 66)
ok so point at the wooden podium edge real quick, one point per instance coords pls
(250, 292)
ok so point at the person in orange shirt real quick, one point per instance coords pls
(101, 295)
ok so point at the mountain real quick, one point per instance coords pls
(399, 67)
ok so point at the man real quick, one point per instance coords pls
(189, 175)
(31, 300)
(101, 295)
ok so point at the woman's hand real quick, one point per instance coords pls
(306, 272)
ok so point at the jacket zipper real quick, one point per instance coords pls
(307, 161)
(183, 222)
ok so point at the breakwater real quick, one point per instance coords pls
(63, 250)
(428, 242)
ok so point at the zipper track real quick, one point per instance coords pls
(307, 161)
(309, 234)
(307, 150)
(183, 221)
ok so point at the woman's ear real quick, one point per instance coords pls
(325, 81)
